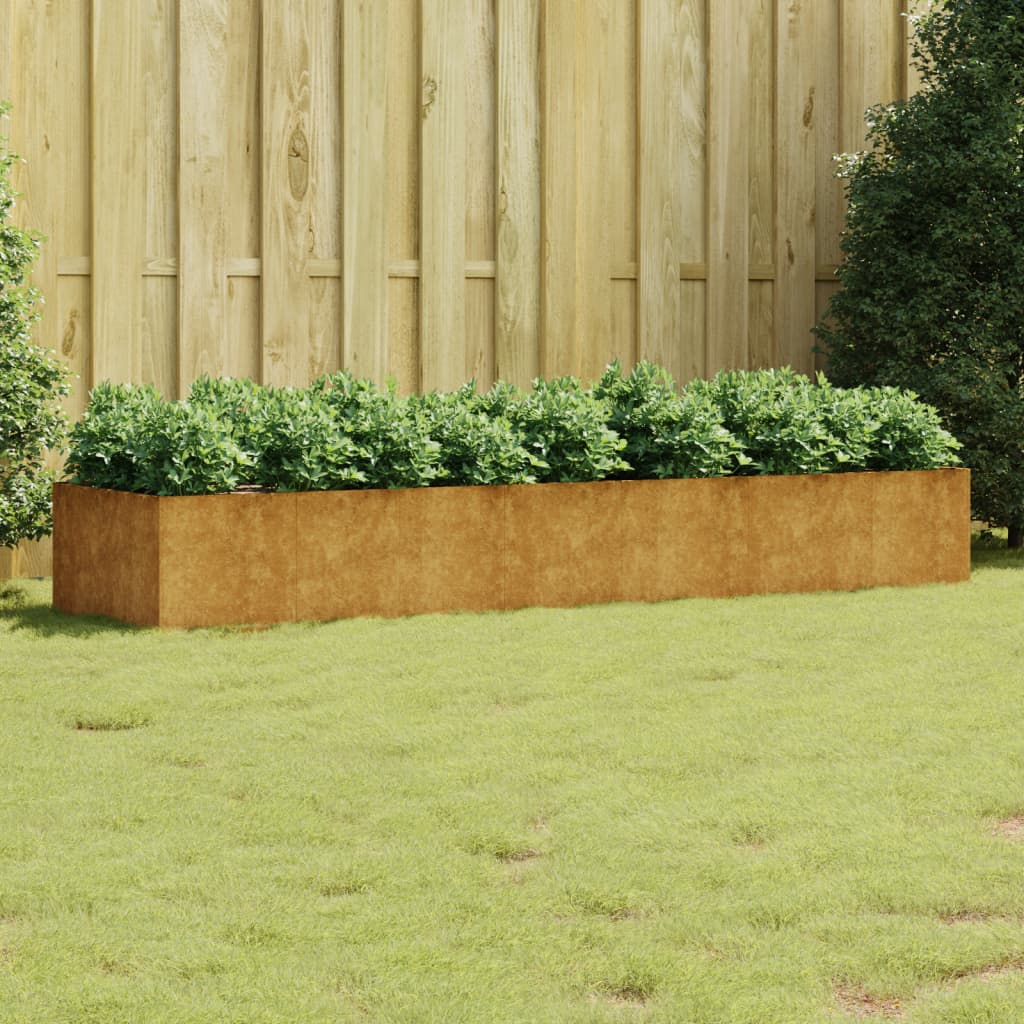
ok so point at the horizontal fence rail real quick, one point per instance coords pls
(434, 190)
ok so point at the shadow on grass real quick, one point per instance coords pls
(17, 614)
(989, 551)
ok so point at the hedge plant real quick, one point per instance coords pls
(32, 383)
(342, 432)
(932, 294)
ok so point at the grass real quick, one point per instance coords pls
(770, 810)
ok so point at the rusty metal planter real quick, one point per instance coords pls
(263, 558)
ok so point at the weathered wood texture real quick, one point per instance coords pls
(434, 190)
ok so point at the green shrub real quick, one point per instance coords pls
(785, 425)
(130, 439)
(391, 435)
(298, 443)
(345, 433)
(31, 384)
(666, 435)
(475, 448)
(565, 428)
(932, 292)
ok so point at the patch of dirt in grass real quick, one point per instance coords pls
(517, 856)
(6, 956)
(118, 722)
(627, 914)
(857, 1002)
(507, 849)
(519, 864)
(108, 965)
(992, 972)
(715, 675)
(613, 906)
(965, 917)
(353, 998)
(752, 835)
(344, 887)
(628, 997)
(1011, 828)
(184, 761)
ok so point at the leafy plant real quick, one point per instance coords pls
(785, 424)
(932, 294)
(31, 383)
(131, 439)
(299, 444)
(666, 435)
(475, 448)
(566, 429)
(392, 439)
(345, 433)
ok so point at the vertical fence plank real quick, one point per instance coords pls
(243, 193)
(660, 181)
(693, 230)
(728, 182)
(559, 337)
(35, 120)
(870, 68)
(69, 150)
(442, 291)
(287, 193)
(593, 244)
(118, 193)
(158, 58)
(6, 61)
(517, 337)
(760, 106)
(324, 336)
(364, 209)
(202, 183)
(621, 145)
(828, 189)
(795, 207)
(480, 202)
(404, 114)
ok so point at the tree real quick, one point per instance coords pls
(31, 384)
(932, 295)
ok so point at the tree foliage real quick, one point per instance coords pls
(932, 295)
(31, 383)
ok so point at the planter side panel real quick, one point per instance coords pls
(922, 531)
(563, 544)
(227, 559)
(346, 554)
(809, 533)
(403, 552)
(651, 540)
(683, 538)
(106, 556)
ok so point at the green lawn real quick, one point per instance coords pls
(769, 810)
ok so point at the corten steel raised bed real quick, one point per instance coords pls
(263, 558)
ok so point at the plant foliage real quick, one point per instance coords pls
(666, 434)
(31, 383)
(342, 432)
(932, 295)
(130, 439)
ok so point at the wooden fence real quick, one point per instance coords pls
(435, 189)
